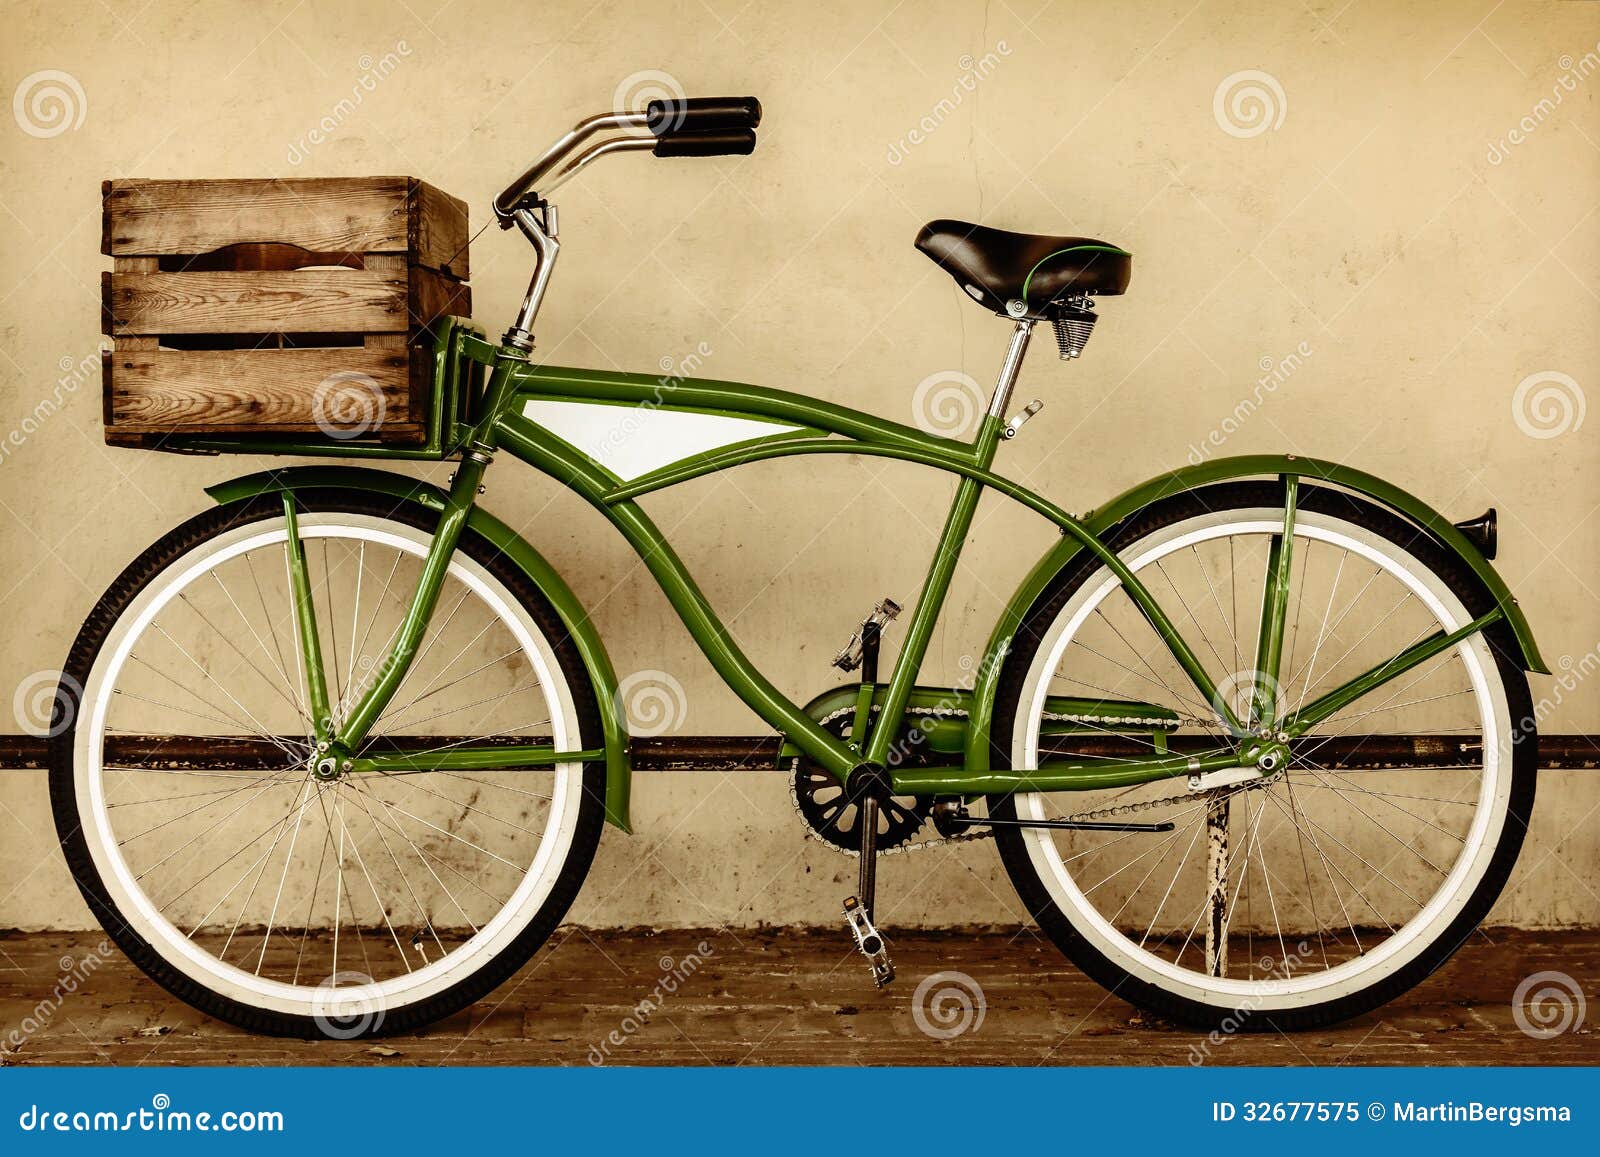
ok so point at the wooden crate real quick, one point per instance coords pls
(278, 307)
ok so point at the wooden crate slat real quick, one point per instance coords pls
(259, 391)
(323, 215)
(301, 301)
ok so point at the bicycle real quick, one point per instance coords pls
(1254, 735)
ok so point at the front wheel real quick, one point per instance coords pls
(181, 777)
(1329, 887)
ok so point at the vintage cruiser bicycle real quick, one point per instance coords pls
(1253, 735)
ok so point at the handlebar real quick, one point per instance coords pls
(734, 143)
(702, 114)
(710, 126)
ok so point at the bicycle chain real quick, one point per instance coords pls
(1110, 812)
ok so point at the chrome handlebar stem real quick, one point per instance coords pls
(540, 230)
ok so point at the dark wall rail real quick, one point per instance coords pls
(756, 753)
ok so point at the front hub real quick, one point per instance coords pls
(329, 763)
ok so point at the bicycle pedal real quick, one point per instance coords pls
(856, 649)
(869, 941)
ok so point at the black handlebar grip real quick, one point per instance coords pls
(738, 143)
(702, 114)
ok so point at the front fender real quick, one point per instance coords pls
(1100, 520)
(614, 727)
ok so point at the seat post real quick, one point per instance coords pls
(1008, 371)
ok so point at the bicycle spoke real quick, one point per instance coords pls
(296, 685)
(277, 898)
(287, 690)
(377, 896)
(435, 634)
(422, 855)
(427, 921)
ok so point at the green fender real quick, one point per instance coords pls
(1102, 519)
(619, 763)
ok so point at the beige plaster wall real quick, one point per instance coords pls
(1418, 221)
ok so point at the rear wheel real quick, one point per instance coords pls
(1348, 875)
(183, 790)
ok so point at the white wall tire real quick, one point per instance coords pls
(567, 832)
(1117, 957)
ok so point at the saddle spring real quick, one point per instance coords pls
(1073, 324)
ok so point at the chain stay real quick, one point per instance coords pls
(1110, 812)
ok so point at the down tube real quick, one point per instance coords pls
(527, 442)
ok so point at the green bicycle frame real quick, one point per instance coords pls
(804, 425)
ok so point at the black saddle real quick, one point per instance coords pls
(1036, 272)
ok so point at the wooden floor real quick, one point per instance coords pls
(793, 997)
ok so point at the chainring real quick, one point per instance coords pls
(835, 819)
